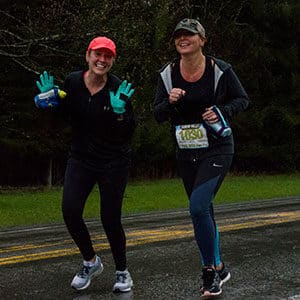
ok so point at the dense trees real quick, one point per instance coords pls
(259, 38)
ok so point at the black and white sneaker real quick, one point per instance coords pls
(224, 274)
(123, 282)
(211, 283)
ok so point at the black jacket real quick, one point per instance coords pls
(229, 96)
(99, 135)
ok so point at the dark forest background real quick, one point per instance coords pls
(259, 38)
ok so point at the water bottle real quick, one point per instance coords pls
(49, 99)
(221, 127)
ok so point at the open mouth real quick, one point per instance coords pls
(100, 66)
(183, 44)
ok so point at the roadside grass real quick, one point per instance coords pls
(36, 206)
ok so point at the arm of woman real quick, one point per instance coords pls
(237, 99)
(162, 107)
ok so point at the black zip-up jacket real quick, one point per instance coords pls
(229, 96)
(99, 136)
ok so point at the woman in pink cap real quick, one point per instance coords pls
(101, 116)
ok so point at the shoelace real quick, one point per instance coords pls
(84, 271)
(121, 277)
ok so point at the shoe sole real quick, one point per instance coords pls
(98, 272)
(123, 290)
(209, 295)
(225, 279)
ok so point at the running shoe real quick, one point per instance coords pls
(224, 274)
(211, 283)
(123, 282)
(83, 278)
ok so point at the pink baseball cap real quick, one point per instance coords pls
(103, 42)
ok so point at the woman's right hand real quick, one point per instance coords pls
(175, 95)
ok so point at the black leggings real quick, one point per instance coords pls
(79, 182)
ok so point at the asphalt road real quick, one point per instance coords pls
(260, 243)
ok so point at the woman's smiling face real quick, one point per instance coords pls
(187, 42)
(100, 61)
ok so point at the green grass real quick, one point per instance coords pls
(28, 206)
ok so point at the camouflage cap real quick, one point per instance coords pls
(191, 25)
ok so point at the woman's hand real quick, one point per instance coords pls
(210, 116)
(175, 95)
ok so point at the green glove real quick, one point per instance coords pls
(46, 82)
(123, 94)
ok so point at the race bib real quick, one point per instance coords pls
(191, 136)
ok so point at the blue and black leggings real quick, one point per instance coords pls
(202, 179)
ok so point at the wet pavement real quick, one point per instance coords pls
(260, 243)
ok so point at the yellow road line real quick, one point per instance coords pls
(140, 237)
(32, 246)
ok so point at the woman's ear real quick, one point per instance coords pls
(87, 56)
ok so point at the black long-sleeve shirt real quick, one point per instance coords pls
(219, 86)
(99, 136)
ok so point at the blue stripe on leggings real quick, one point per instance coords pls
(206, 234)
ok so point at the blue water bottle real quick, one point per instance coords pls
(221, 127)
(49, 99)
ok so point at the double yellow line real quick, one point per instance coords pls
(31, 252)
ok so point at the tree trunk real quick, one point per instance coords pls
(49, 175)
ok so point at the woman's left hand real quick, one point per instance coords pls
(210, 115)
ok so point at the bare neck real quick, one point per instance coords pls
(191, 63)
(94, 82)
(192, 67)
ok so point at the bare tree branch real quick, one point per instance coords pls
(242, 4)
(11, 55)
(13, 18)
(25, 66)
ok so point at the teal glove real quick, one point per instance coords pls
(123, 94)
(46, 82)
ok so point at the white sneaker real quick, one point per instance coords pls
(123, 282)
(83, 278)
